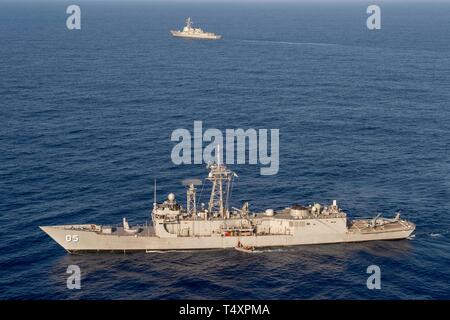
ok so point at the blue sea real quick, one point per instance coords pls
(86, 118)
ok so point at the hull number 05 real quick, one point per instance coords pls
(72, 238)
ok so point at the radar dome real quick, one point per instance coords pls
(171, 197)
(269, 212)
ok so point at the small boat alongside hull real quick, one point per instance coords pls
(246, 249)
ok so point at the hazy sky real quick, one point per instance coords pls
(364, 2)
(235, 1)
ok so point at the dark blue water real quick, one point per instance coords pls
(86, 118)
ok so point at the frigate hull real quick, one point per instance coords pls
(181, 34)
(146, 241)
(218, 227)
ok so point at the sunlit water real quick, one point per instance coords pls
(86, 118)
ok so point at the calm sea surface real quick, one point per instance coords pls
(86, 118)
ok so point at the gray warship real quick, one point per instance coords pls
(194, 33)
(216, 226)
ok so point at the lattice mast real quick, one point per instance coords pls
(191, 191)
(219, 175)
(191, 202)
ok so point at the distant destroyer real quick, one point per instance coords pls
(195, 33)
(216, 226)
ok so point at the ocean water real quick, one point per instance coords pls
(86, 118)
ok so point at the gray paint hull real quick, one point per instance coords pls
(92, 241)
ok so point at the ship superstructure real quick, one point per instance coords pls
(216, 226)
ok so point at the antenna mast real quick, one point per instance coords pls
(191, 202)
(218, 175)
(189, 23)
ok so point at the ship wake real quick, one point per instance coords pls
(289, 43)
